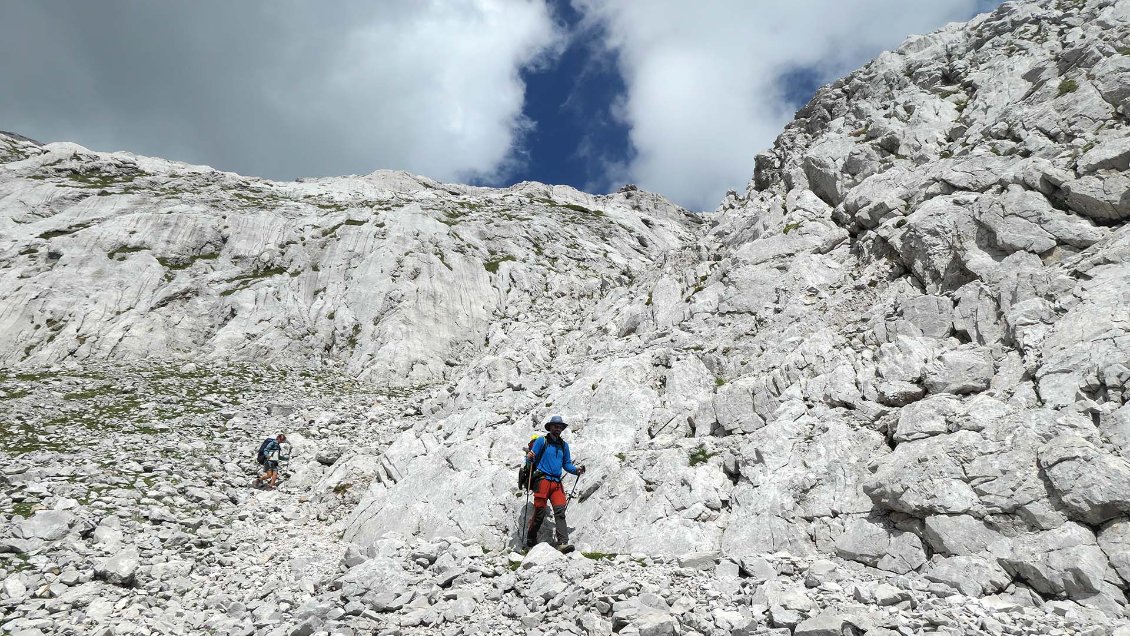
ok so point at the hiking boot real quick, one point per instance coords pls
(564, 548)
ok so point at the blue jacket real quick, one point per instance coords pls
(554, 459)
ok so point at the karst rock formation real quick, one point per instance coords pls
(905, 344)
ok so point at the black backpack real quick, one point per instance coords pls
(526, 481)
(262, 456)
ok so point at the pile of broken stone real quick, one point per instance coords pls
(112, 536)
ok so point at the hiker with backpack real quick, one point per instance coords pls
(547, 457)
(270, 452)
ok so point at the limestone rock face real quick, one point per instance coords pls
(906, 343)
(393, 277)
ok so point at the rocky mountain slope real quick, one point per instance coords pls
(905, 347)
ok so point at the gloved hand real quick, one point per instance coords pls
(580, 470)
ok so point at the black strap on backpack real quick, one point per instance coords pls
(526, 476)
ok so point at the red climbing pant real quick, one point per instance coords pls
(551, 490)
(555, 493)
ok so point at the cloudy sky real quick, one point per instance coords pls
(675, 96)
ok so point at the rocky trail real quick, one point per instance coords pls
(122, 532)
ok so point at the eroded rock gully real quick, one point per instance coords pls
(883, 389)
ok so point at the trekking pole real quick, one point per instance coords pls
(570, 497)
(526, 506)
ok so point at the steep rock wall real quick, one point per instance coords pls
(906, 343)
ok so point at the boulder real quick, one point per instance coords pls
(328, 456)
(965, 370)
(1062, 561)
(899, 393)
(824, 625)
(958, 534)
(1114, 539)
(1104, 197)
(933, 315)
(120, 569)
(48, 525)
(542, 554)
(871, 543)
(1094, 485)
(926, 418)
(969, 575)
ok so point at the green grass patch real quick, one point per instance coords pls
(258, 274)
(34, 377)
(98, 180)
(599, 556)
(50, 234)
(792, 226)
(342, 488)
(18, 562)
(492, 264)
(124, 250)
(23, 509)
(1068, 86)
(174, 263)
(580, 208)
(719, 381)
(89, 394)
(699, 455)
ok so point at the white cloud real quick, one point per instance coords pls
(272, 88)
(702, 98)
(442, 86)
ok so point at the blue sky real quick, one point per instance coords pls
(674, 96)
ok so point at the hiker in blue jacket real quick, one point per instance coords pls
(552, 456)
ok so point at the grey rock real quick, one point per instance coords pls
(1093, 485)
(958, 534)
(933, 315)
(1064, 560)
(870, 543)
(899, 393)
(966, 370)
(48, 525)
(698, 560)
(823, 625)
(120, 569)
(329, 456)
(542, 555)
(1114, 539)
(969, 575)
(1103, 197)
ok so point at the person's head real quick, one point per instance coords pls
(556, 425)
(281, 438)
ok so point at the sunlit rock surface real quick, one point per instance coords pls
(896, 364)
